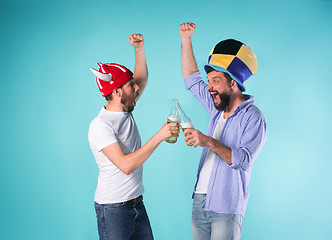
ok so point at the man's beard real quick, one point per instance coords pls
(127, 106)
(224, 101)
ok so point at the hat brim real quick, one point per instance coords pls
(221, 69)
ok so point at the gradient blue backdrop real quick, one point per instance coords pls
(49, 96)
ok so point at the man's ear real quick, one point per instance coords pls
(233, 84)
(117, 92)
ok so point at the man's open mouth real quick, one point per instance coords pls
(215, 95)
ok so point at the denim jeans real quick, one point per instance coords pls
(123, 221)
(209, 225)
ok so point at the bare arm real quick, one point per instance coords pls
(128, 163)
(197, 138)
(188, 62)
(141, 69)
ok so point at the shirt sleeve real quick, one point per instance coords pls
(102, 135)
(198, 88)
(252, 141)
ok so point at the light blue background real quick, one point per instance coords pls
(49, 96)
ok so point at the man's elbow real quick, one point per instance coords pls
(127, 170)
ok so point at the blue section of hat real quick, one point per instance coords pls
(239, 69)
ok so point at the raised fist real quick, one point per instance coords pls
(187, 29)
(136, 40)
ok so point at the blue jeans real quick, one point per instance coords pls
(123, 221)
(209, 225)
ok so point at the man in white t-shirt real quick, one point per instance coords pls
(116, 145)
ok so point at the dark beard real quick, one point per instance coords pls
(224, 102)
(126, 102)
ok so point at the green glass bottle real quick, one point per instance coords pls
(173, 117)
(185, 121)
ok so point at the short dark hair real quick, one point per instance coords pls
(109, 97)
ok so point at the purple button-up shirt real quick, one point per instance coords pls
(244, 132)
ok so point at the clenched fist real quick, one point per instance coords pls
(195, 138)
(136, 40)
(187, 29)
(168, 130)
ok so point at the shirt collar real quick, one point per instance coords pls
(249, 100)
(107, 113)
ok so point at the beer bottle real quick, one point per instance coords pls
(185, 121)
(173, 117)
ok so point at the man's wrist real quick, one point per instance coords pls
(139, 48)
(186, 39)
(156, 139)
(139, 51)
(209, 142)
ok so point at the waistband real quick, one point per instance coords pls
(136, 200)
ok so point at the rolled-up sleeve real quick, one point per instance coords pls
(251, 143)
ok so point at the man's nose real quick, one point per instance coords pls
(136, 87)
(209, 87)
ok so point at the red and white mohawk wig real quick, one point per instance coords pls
(111, 76)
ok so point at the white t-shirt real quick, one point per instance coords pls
(113, 185)
(204, 175)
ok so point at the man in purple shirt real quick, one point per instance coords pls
(235, 136)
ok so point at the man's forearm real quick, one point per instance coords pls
(134, 160)
(196, 138)
(128, 163)
(188, 62)
(141, 69)
(220, 149)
